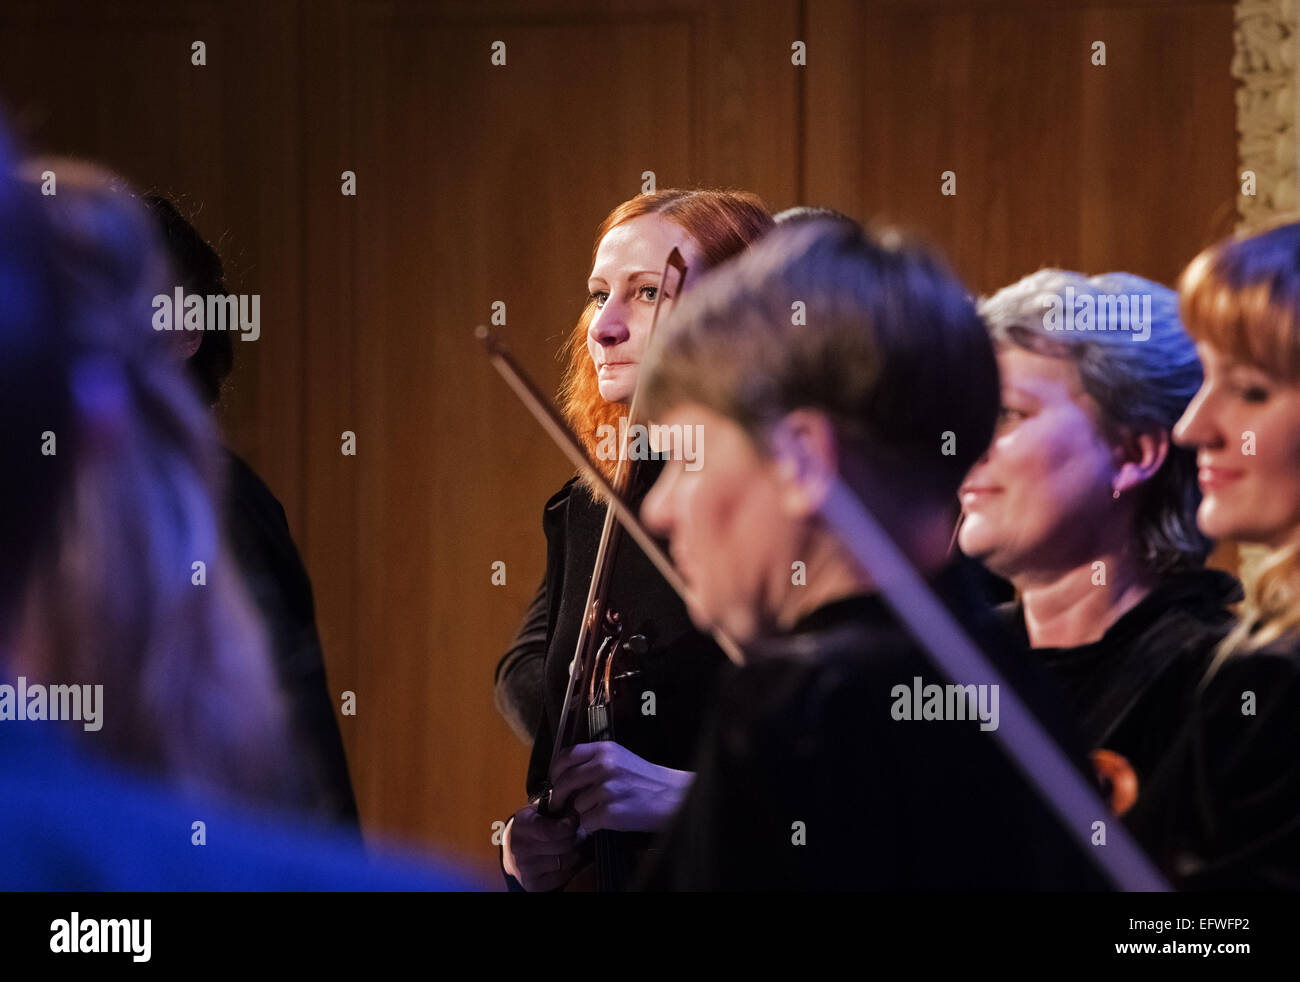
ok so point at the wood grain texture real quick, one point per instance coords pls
(1060, 162)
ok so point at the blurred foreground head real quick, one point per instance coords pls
(109, 507)
(823, 352)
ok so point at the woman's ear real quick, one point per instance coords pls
(806, 458)
(1140, 454)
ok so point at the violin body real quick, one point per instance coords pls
(608, 708)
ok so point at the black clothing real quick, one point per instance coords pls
(682, 664)
(1224, 809)
(278, 583)
(1131, 689)
(680, 669)
(805, 733)
(517, 687)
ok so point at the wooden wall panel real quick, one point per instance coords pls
(114, 83)
(1129, 166)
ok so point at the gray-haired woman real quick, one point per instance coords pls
(1085, 504)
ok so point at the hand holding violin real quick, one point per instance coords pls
(612, 788)
(540, 851)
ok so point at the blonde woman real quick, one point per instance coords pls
(1229, 813)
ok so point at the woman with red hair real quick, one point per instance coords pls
(633, 785)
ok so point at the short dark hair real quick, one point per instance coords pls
(890, 347)
(199, 270)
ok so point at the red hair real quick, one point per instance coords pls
(722, 223)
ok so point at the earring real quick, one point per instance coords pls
(1115, 494)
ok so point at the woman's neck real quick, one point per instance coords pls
(1079, 605)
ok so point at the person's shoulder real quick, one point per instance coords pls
(556, 509)
(785, 699)
(254, 509)
(1216, 588)
(1193, 609)
(1244, 769)
(1275, 667)
(1252, 699)
(562, 495)
(246, 484)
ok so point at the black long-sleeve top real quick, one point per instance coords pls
(278, 582)
(1223, 810)
(807, 780)
(1130, 689)
(517, 687)
(681, 668)
(1215, 755)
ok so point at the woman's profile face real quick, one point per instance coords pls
(624, 284)
(1245, 426)
(727, 532)
(1031, 504)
